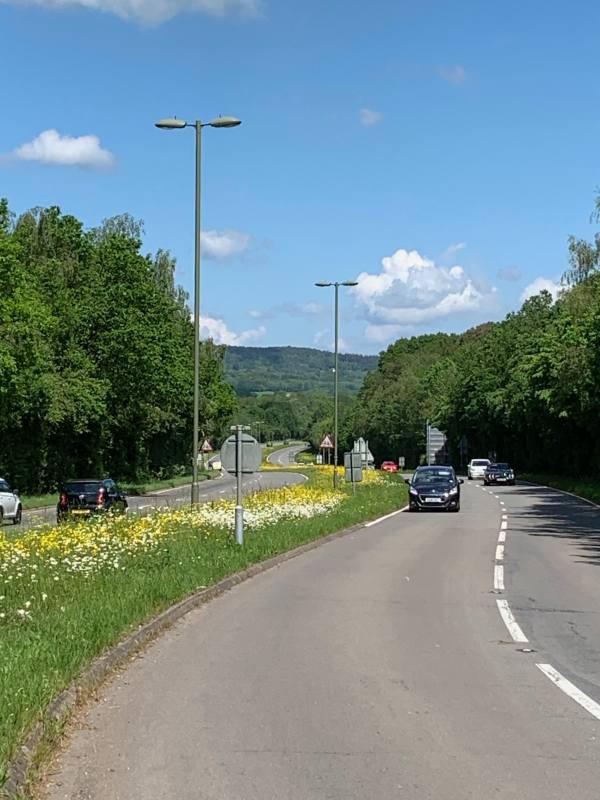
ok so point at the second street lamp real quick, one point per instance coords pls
(336, 285)
(175, 124)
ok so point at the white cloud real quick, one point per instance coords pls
(321, 339)
(540, 285)
(224, 245)
(411, 290)
(51, 147)
(382, 333)
(154, 11)
(369, 117)
(452, 250)
(456, 74)
(217, 330)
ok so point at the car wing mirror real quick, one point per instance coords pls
(461, 480)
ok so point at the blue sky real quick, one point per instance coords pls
(440, 152)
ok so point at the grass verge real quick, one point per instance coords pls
(584, 487)
(70, 594)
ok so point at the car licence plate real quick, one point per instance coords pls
(80, 513)
(433, 499)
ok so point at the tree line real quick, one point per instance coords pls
(96, 355)
(526, 388)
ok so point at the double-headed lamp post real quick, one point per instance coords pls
(175, 124)
(337, 285)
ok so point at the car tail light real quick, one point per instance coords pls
(101, 496)
(64, 500)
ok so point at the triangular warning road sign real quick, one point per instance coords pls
(327, 444)
(206, 446)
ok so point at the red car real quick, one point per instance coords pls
(389, 466)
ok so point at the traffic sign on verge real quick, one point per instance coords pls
(251, 454)
(206, 446)
(326, 444)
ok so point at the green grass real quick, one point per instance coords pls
(584, 487)
(82, 616)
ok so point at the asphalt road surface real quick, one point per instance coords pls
(221, 487)
(375, 667)
(286, 456)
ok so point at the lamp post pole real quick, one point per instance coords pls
(175, 124)
(197, 229)
(336, 285)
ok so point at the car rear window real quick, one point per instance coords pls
(82, 487)
(480, 462)
(4, 487)
(501, 466)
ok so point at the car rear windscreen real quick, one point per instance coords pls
(82, 487)
(480, 463)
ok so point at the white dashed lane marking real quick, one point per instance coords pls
(571, 690)
(507, 617)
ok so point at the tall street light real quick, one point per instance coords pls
(337, 285)
(175, 124)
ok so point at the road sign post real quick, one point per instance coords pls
(240, 454)
(353, 469)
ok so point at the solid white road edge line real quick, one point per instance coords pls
(510, 622)
(387, 516)
(500, 552)
(501, 537)
(570, 689)
(499, 578)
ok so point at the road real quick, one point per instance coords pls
(286, 455)
(222, 487)
(377, 666)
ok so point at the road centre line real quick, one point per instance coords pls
(387, 516)
(501, 537)
(499, 578)
(500, 552)
(504, 516)
(570, 689)
(510, 622)
(504, 525)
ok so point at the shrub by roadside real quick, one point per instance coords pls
(67, 594)
(584, 487)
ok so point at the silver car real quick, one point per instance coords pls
(10, 504)
(476, 467)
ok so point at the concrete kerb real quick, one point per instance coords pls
(19, 770)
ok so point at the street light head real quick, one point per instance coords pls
(171, 124)
(350, 283)
(323, 283)
(225, 122)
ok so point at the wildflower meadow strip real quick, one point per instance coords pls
(69, 592)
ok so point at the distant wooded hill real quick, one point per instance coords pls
(253, 370)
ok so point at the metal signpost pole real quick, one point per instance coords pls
(239, 509)
(427, 441)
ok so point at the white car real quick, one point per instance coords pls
(10, 504)
(476, 467)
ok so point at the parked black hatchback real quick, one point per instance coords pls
(435, 488)
(82, 498)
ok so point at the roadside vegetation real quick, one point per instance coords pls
(583, 487)
(68, 593)
(96, 356)
(526, 388)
